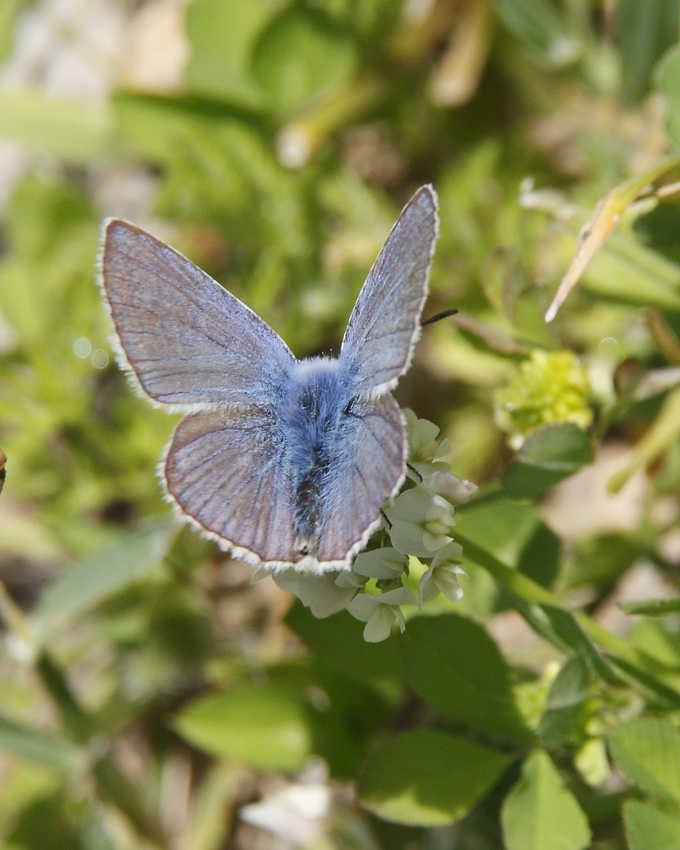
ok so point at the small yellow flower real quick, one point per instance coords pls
(548, 387)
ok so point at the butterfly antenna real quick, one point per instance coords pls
(439, 316)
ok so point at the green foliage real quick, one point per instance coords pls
(429, 777)
(262, 727)
(475, 687)
(150, 691)
(541, 813)
(547, 457)
(100, 576)
(564, 718)
(325, 57)
(669, 89)
(648, 753)
(650, 828)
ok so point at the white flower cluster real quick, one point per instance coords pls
(419, 525)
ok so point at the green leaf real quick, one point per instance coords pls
(266, 728)
(299, 55)
(564, 716)
(628, 272)
(546, 457)
(43, 812)
(101, 575)
(652, 607)
(600, 560)
(72, 130)
(649, 828)
(221, 168)
(668, 83)
(570, 636)
(339, 640)
(34, 745)
(540, 813)
(428, 778)
(659, 437)
(520, 538)
(221, 47)
(541, 28)
(162, 128)
(642, 37)
(454, 665)
(47, 265)
(648, 753)
(657, 642)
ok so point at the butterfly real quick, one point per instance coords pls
(284, 462)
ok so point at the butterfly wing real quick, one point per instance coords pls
(369, 467)
(231, 471)
(189, 342)
(228, 470)
(230, 466)
(385, 323)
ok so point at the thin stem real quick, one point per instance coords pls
(634, 662)
(112, 784)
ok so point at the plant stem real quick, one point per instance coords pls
(112, 784)
(631, 660)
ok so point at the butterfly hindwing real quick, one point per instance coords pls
(234, 473)
(229, 471)
(189, 342)
(369, 469)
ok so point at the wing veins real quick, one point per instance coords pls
(200, 330)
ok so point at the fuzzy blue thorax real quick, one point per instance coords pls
(314, 416)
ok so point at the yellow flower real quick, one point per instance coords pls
(548, 387)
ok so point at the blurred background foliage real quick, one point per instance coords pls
(152, 696)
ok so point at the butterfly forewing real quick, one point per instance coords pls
(385, 323)
(188, 341)
(229, 472)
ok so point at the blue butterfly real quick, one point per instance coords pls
(285, 462)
